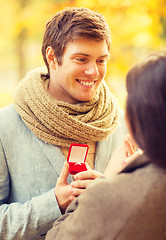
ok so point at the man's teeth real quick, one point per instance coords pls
(86, 83)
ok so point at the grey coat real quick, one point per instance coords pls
(29, 169)
(129, 206)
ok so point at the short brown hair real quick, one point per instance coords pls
(71, 23)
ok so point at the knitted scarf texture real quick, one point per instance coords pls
(61, 123)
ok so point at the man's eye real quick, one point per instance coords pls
(81, 60)
(102, 60)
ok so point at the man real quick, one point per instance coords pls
(67, 103)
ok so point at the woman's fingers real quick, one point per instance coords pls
(78, 187)
(129, 145)
(81, 184)
(89, 174)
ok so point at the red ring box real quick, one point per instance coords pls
(76, 158)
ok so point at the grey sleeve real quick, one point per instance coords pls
(29, 220)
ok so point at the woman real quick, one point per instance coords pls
(130, 205)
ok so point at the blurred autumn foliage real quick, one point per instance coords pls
(138, 27)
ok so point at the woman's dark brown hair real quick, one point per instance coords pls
(146, 105)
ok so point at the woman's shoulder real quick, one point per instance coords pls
(136, 181)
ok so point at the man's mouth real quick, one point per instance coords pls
(86, 83)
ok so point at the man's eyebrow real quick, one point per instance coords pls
(87, 55)
(79, 53)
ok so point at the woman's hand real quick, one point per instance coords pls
(83, 179)
(122, 156)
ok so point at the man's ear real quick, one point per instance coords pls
(51, 59)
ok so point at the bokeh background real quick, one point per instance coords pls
(138, 28)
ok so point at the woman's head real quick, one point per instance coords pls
(146, 105)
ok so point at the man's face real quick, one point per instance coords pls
(84, 65)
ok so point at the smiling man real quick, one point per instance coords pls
(66, 102)
(81, 72)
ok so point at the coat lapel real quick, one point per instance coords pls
(54, 156)
(103, 154)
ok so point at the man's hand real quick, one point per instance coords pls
(65, 193)
(63, 190)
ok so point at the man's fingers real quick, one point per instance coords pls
(72, 198)
(64, 174)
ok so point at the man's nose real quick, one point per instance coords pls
(92, 70)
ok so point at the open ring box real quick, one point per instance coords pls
(77, 157)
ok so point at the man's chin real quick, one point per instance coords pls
(85, 99)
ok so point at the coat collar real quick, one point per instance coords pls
(139, 162)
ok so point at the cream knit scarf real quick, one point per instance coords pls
(61, 123)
